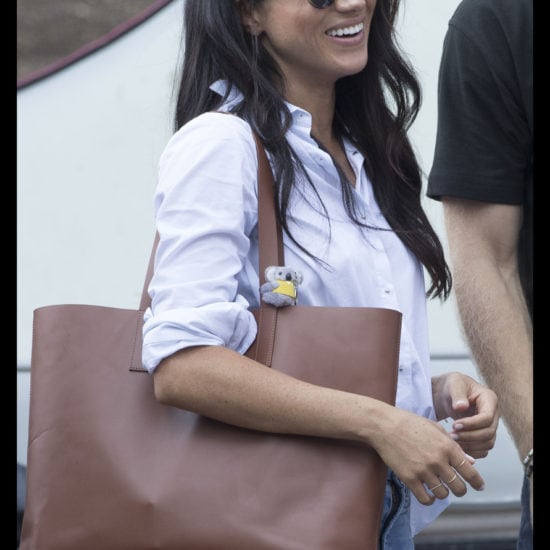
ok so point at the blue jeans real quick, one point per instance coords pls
(525, 537)
(395, 531)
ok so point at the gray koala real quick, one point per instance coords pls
(280, 288)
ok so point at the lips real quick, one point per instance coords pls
(346, 31)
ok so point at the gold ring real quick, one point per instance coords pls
(436, 486)
(461, 463)
(451, 480)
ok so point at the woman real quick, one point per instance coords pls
(324, 86)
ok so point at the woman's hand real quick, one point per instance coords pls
(431, 461)
(424, 456)
(472, 406)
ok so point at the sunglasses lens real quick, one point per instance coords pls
(321, 4)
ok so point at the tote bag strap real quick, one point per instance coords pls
(270, 235)
(270, 241)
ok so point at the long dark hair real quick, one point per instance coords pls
(374, 110)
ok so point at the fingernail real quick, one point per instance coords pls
(458, 426)
(454, 436)
(461, 402)
(470, 458)
(482, 488)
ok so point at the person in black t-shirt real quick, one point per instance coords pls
(483, 173)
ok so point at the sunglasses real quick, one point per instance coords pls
(321, 4)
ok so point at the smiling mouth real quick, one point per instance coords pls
(346, 31)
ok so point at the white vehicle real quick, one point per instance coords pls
(89, 135)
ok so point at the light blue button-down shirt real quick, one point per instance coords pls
(206, 266)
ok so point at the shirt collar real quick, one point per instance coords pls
(300, 116)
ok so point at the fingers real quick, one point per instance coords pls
(454, 484)
(483, 424)
(453, 479)
(465, 469)
(477, 443)
(432, 458)
(463, 397)
(444, 486)
(477, 434)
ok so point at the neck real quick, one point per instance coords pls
(335, 148)
(319, 103)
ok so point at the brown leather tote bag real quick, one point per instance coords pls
(109, 468)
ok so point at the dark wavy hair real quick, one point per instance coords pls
(374, 110)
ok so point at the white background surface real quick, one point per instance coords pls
(89, 138)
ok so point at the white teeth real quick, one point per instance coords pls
(346, 31)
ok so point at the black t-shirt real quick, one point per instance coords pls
(484, 145)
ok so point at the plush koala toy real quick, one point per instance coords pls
(281, 286)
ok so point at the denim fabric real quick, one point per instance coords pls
(396, 522)
(525, 537)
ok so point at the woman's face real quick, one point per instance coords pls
(314, 46)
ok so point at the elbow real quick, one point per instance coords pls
(165, 384)
(162, 391)
(175, 381)
(181, 380)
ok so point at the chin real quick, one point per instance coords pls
(350, 71)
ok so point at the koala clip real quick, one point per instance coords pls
(281, 286)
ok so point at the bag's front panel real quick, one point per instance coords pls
(111, 468)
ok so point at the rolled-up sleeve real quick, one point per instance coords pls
(206, 209)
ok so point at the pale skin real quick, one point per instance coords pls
(222, 384)
(483, 240)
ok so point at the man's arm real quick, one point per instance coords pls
(483, 239)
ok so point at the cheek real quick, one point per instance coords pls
(295, 48)
(282, 42)
(289, 33)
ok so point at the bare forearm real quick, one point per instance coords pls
(483, 241)
(498, 329)
(221, 384)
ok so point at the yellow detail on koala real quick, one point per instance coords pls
(286, 287)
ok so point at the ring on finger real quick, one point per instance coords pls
(461, 464)
(451, 480)
(436, 486)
